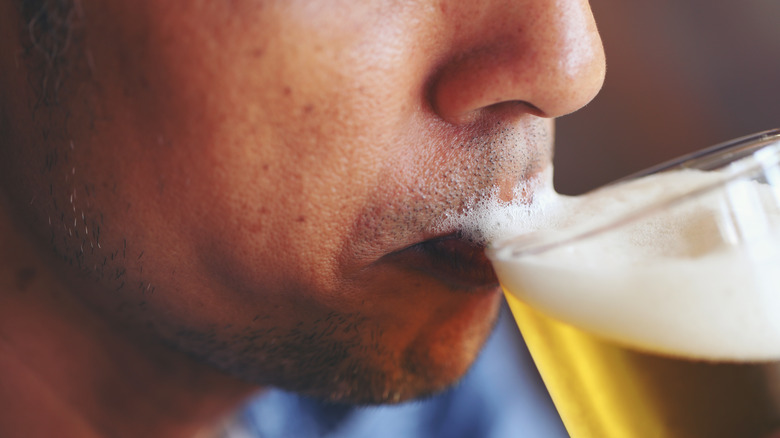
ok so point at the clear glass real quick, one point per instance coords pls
(660, 317)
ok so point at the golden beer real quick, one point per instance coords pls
(605, 390)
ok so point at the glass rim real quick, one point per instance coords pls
(725, 156)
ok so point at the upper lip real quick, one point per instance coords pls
(450, 258)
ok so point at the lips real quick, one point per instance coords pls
(454, 261)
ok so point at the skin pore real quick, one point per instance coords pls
(200, 199)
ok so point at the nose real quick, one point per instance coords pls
(543, 56)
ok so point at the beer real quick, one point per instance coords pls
(603, 389)
(659, 322)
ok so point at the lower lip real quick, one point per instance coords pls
(454, 261)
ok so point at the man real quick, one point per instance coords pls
(204, 199)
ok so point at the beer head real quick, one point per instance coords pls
(680, 262)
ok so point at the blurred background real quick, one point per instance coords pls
(681, 75)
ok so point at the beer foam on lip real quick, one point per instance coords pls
(482, 221)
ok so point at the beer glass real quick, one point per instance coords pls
(660, 317)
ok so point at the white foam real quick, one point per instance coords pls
(534, 205)
(702, 281)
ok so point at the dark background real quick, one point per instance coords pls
(681, 75)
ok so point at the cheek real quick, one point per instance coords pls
(246, 182)
(277, 201)
(267, 223)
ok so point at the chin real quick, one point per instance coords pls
(439, 355)
(390, 335)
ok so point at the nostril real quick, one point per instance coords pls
(500, 110)
(514, 106)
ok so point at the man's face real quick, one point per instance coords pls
(258, 183)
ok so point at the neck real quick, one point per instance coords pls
(84, 375)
